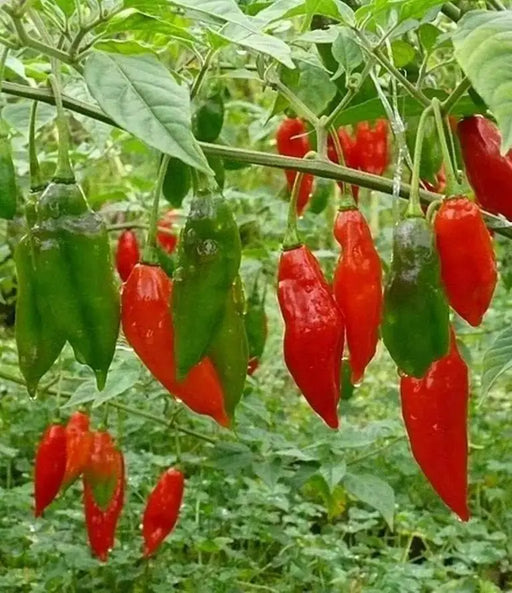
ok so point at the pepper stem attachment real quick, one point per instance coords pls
(452, 184)
(150, 255)
(414, 208)
(64, 172)
(291, 236)
(36, 180)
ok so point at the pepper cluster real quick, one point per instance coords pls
(66, 453)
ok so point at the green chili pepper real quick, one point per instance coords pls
(229, 349)
(415, 325)
(208, 118)
(76, 275)
(209, 255)
(177, 182)
(38, 339)
(256, 323)
(8, 192)
(321, 195)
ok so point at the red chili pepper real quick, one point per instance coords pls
(440, 185)
(148, 327)
(313, 341)
(50, 465)
(292, 141)
(372, 146)
(358, 288)
(102, 469)
(167, 241)
(350, 155)
(489, 173)
(101, 524)
(434, 409)
(127, 254)
(162, 509)
(468, 262)
(252, 365)
(78, 447)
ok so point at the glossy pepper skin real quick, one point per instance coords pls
(127, 254)
(38, 339)
(358, 288)
(415, 319)
(8, 193)
(489, 173)
(468, 262)
(209, 257)
(101, 524)
(103, 468)
(148, 327)
(162, 509)
(292, 141)
(76, 275)
(313, 339)
(78, 447)
(434, 409)
(50, 465)
(229, 349)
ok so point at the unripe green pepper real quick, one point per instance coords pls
(76, 274)
(229, 349)
(209, 255)
(177, 181)
(208, 118)
(415, 324)
(8, 193)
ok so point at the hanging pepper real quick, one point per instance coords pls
(468, 262)
(127, 254)
(50, 465)
(101, 524)
(488, 171)
(358, 288)
(208, 118)
(292, 141)
(229, 350)
(177, 182)
(8, 191)
(78, 447)
(208, 261)
(103, 468)
(162, 509)
(434, 409)
(313, 341)
(256, 327)
(148, 326)
(415, 319)
(372, 146)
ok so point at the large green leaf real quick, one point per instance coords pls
(483, 48)
(140, 95)
(374, 492)
(497, 359)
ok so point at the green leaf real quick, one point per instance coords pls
(315, 88)
(428, 35)
(497, 359)
(483, 48)
(346, 52)
(17, 115)
(374, 492)
(333, 474)
(140, 95)
(122, 46)
(403, 53)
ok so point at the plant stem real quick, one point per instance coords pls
(451, 11)
(196, 87)
(449, 103)
(299, 106)
(150, 255)
(291, 236)
(64, 171)
(414, 208)
(36, 180)
(452, 184)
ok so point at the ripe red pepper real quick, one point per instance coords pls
(101, 524)
(292, 141)
(148, 327)
(434, 409)
(50, 465)
(103, 468)
(468, 262)
(78, 447)
(127, 254)
(358, 288)
(162, 509)
(372, 146)
(313, 340)
(350, 155)
(167, 241)
(489, 173)
(252, 365)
